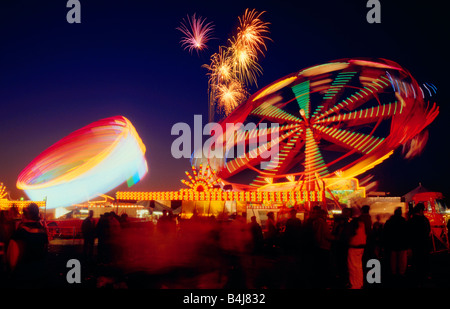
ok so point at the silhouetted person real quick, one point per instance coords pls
(308, 247)
(172, 224)
(88, 230)
(113, 239)
(6, 231)
(322, 249)
(377, 236)
(420, 233)
(271, 235)
(340, 244)
(356, 245)
(448, 227)
(27, 250)
(124, 222)
(6, 227)
(257, 236)
(292, 233)
(308, 231)
(102, 231)
(366, 218)
(163, 224)
(396, 242)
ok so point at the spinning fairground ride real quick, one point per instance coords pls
(302, 140)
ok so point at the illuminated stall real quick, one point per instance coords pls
(6, 204)
(437, 213)
(99, 206)
(207, 196)
(20, 204)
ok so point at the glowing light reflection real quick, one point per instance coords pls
(88, 162)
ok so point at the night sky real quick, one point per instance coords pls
(125, 59)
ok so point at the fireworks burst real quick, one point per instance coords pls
(252, 31)
(230, 95)
(196, 33)
(236, 65)
(248, 44)
(233, 67)
(220, 69)
(245, 62)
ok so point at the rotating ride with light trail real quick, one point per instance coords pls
(335, 121)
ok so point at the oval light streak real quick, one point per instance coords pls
(90, 161)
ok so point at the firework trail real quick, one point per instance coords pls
(196, 33)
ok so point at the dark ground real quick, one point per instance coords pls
(265, 272)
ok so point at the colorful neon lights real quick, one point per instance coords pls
(3, 192)
(7, 204)
(220, 195)
(88, 162)
(331, 117)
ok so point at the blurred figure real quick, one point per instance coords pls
(322, 250)
(88, 231)
(124, 222)
(291, 261)
(27, 250)
(163, 224)
(367, 221)
(420, 233)
(6, 231)
(6, 227)
(113, 240)
(234, 242)
(102, 231)
(257, 243)
(395, 238)
(271, 235)
(377, 236)
(309, 245)
(172, 224)
(340, 244)
(356, 245)
(448, 227)
(292, 233)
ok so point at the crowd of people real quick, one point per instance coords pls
(341, 248)
(318, 251)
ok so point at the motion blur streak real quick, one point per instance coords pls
(200, 250)
(90, 161)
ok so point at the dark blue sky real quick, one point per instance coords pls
(125, 59)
